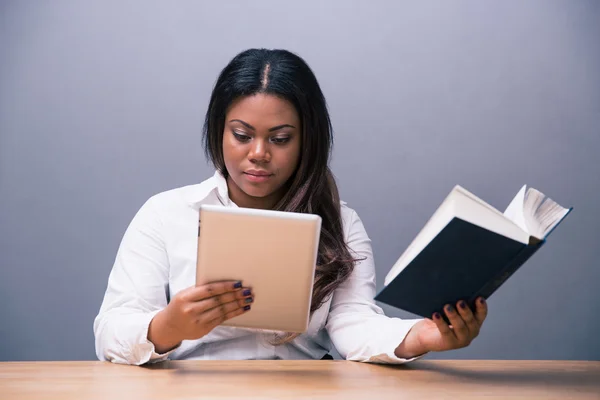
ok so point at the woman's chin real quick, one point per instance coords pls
(256, 192)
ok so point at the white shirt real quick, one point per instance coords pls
(157, 259)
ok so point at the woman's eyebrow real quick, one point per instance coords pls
(247, 125)
(275, 128)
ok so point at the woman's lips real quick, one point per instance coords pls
(258, 176)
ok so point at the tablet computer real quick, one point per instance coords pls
(272, 252)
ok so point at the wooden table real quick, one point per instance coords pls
(299, 379)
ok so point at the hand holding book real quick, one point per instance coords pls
(435, 334)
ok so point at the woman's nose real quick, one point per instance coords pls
(259, 151)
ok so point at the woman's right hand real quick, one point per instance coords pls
(196, 311)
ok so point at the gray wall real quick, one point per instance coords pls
(101, 106)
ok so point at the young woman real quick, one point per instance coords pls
(268, 133)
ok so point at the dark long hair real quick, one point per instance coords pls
(312, 188)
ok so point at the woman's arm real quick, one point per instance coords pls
(136, 291)
(357, 326)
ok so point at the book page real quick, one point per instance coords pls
(484, 215)
(514, 211)
(541, 213)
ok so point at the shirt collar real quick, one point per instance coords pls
(215, 186)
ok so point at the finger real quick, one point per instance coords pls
(467, 316)
(220, 312)
(218, 321)
(481, 310)
(443, 326)
(212, 289)
(458, 325)
(243, 297)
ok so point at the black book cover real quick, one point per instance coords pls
(463, 262)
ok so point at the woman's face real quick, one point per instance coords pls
(261, 148)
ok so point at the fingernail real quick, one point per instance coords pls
(462, 304)
(481, 300)
(248, 300)
(247, 292)
(436, 315)
(246, 308)
(449, 308)
(237, 285)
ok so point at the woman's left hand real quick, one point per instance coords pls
(435, 334)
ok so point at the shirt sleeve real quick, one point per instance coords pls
(358, 328)
(136, 292)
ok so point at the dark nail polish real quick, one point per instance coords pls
(237, 285)
(436, 315)
(462, 305)
(449, 308)
(482, 301)
(248, 300)
(246, 308)
(247, 292)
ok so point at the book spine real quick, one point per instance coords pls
(522, 256)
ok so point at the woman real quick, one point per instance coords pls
(268, 133)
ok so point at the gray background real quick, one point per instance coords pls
(101, 106)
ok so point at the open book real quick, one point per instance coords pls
(468, 249)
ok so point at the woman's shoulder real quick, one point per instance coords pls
(349, 218)
(186, 195)
(345, 210)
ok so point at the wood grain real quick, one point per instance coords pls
(300, 379)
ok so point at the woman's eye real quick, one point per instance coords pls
(280, 140)
(241, 137)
